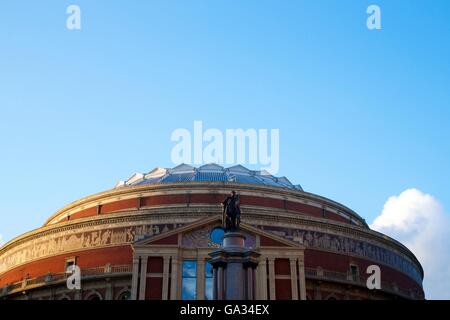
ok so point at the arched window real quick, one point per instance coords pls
(126, 295)
(94, 296)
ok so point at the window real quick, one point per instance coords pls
(189, 280)
(72, 261)
(216, 235)
(208, 281)
(94, 296)
(126, 295)
(354, 272)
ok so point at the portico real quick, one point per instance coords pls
(175, 265)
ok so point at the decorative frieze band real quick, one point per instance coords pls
(127, 227)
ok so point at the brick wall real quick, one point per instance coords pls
(85, 259)
(206, 198)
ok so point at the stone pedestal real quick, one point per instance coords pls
(234, 269)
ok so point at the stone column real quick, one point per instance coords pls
(109, 291)
(261, 283)
(165, 284)
(294, 280)
(235, 281)
(135, 277)
(78, 295)
(272, 278)
(220, 283)
(250, 283)
(143, 283)
(200, 278)
(215, 291)
(302, 280)
(174, 278)
(232, 262)
(317, 293)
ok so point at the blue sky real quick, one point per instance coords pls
(363, 115)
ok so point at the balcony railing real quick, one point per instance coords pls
(55, 278)
(354, 279)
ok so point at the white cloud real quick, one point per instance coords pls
(1, 240)
(419, 222)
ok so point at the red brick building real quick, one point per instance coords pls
(149, 238)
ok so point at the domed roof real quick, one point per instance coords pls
(208, 172)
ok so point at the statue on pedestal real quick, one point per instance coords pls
(231, 216)
(234, 264)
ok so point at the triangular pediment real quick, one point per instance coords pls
(182, 168)
(195, 234)
(156, 173)
(239, 169)
(211, 167)
(135, 177)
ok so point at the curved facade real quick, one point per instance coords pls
(149, 238)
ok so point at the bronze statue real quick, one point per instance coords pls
(231, 216)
